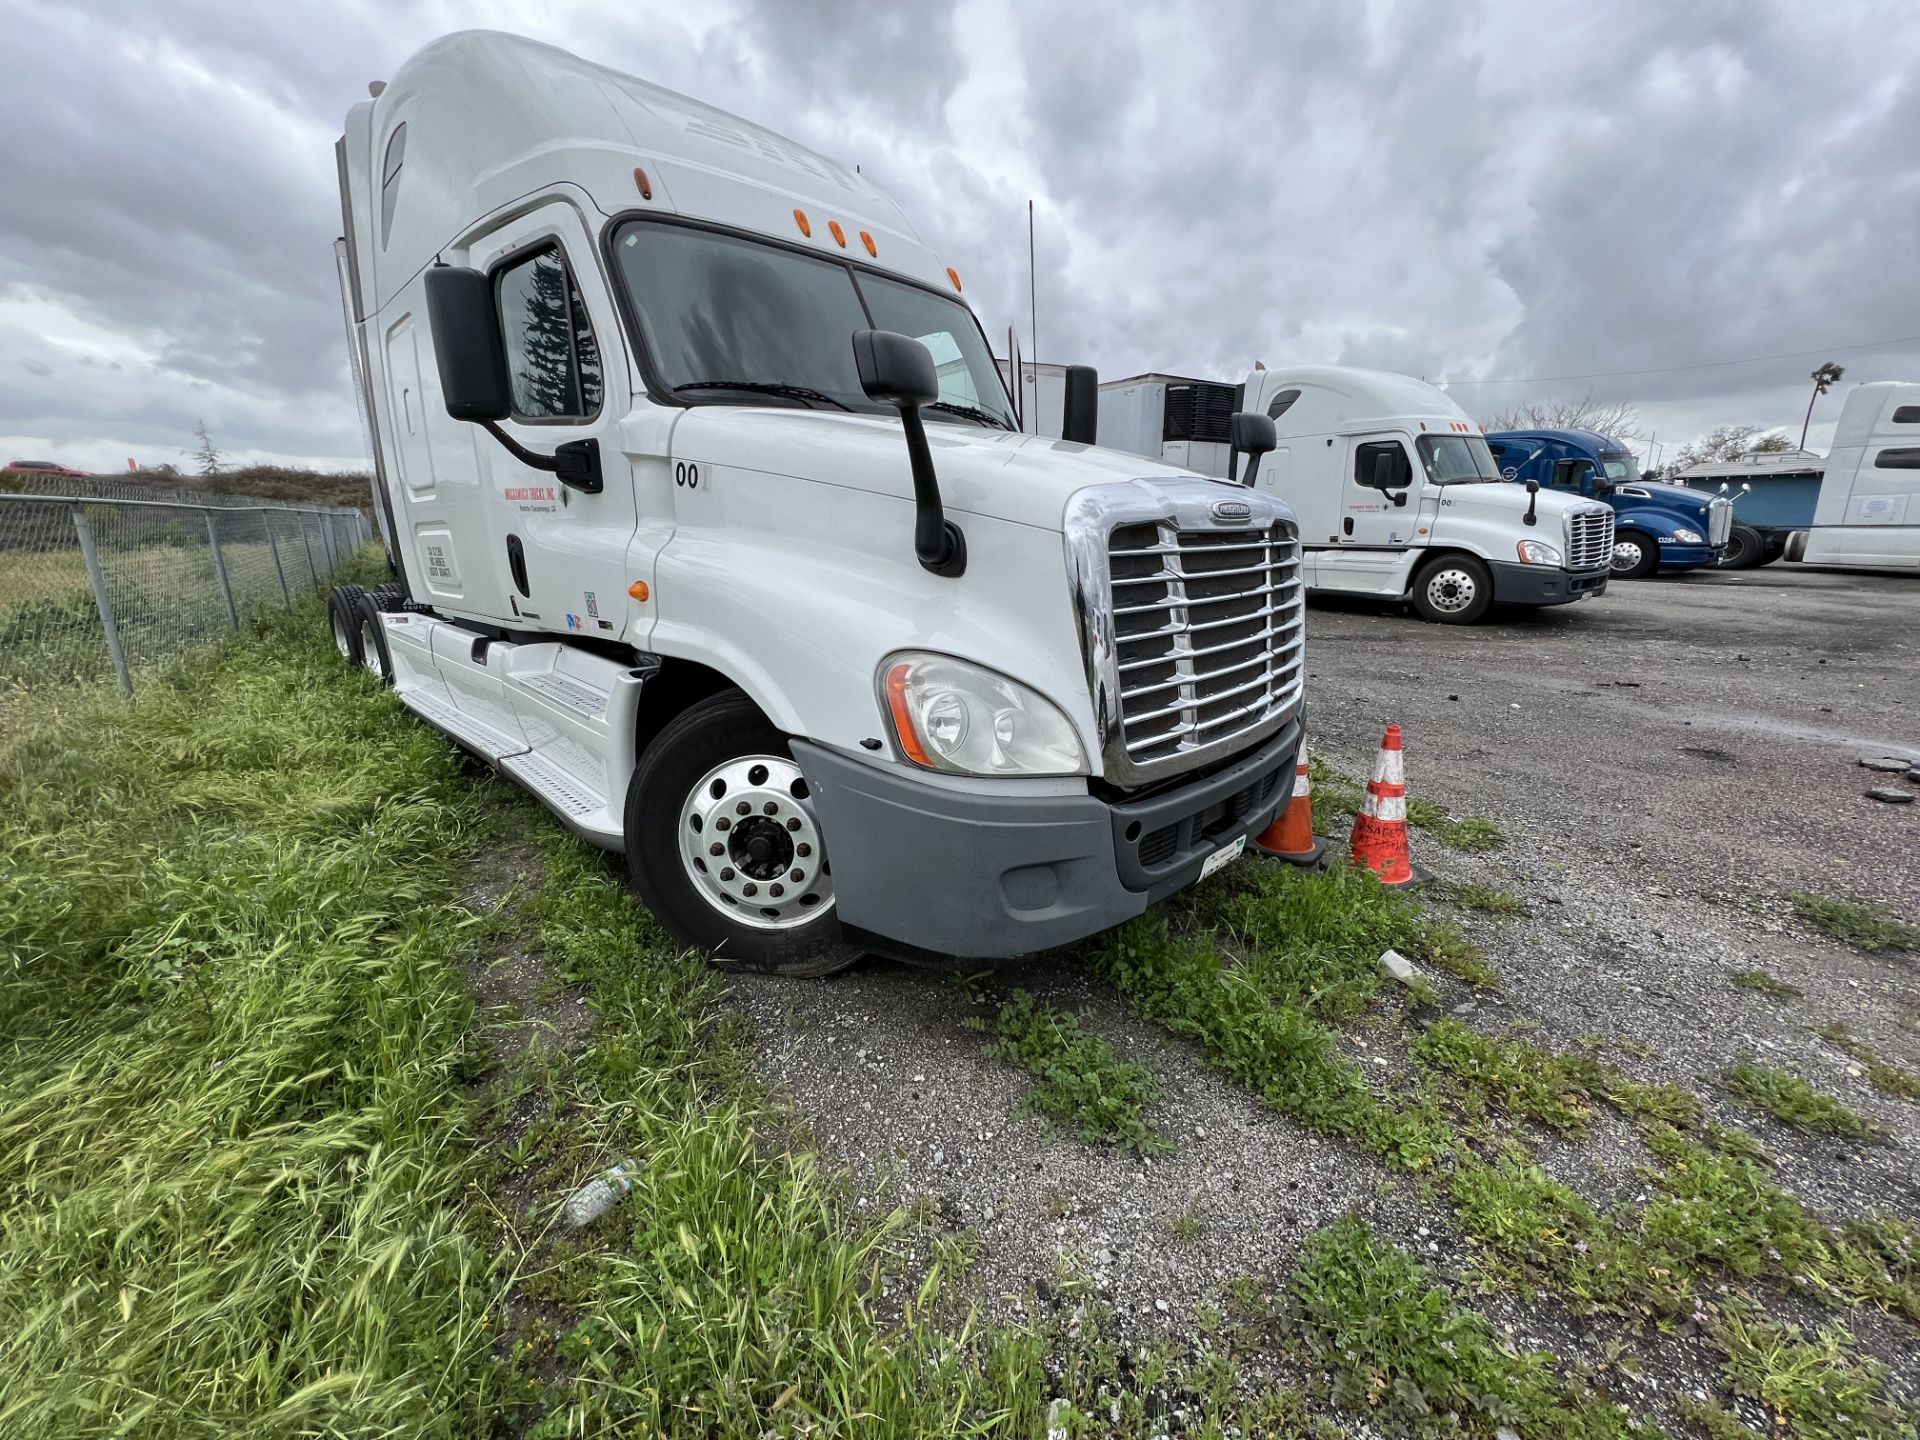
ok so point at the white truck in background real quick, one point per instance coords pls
(713, 529)
(1396, 493)
(1868, 510)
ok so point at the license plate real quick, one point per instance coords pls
(1225, 855)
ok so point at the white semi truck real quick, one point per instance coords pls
(713, 529)
(1396, 493)
(1868, 510)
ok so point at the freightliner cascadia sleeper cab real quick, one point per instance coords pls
(714, 529)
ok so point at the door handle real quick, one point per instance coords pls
(1346, 526)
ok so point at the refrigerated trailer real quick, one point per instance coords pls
(713, 529)
(1396, 493)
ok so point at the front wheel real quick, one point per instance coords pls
(1635, 556)
(1453, 590)
(723, 845)
(1745, 549)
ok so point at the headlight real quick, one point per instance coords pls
(1537, 552)
(952, 715)
(1689, 537)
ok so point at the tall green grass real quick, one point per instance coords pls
(233, 1139)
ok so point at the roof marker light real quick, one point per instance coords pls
(642, 184)
(954, 276)
(800, 219)
(867, 240)
(839, 235)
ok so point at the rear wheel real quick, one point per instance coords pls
(343, 621)
(372, 639)
(1745, 549)
(1635, 555)
(1453, 590)
(723, 846)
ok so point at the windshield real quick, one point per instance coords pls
(1457, 459)
(1620, 467)
(730, 319)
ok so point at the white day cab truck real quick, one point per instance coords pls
(713, 528)
(1396, 492)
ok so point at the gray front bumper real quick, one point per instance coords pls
(1516, 584)
(928, 873)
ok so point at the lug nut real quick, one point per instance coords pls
(727, 874)
(796, 875)
(716, 849)
(803, 849)
(771, 807)
(794, 824)
(723, 823)
(776, 890)
(749, 889)
(743, 808)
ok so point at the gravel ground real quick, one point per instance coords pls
(1666, 761)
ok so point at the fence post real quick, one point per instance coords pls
(306, 543)
(273, 549)
(101, 601)
(220, 570)
(327, 546)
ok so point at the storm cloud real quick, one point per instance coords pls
(1472, 193)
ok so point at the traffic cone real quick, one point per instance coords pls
(1290, 837)
(1380, 829)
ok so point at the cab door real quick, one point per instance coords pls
(1379, 514)
(560, 549)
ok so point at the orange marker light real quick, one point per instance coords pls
(800, 219)
(642, 184)
(867, 240)
(638, 590)
(954, 276)
(839, 235)
(902, 721)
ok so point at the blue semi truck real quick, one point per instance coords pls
(1774, 494)
(1656, 526)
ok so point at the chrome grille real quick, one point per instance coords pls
(1590, 538)
(1719, 521)
(1208, 634)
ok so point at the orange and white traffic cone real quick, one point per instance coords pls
(1380, 829)
(1290, 837)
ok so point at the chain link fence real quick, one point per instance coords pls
(94, 584)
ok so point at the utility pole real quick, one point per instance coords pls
(1824, 379)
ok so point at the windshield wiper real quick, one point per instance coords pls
(765, 387)
(972, 412)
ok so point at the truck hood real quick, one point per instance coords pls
(1511, 499)
(1673, 496)
(1023, 478)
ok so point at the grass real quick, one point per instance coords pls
(233, 1143)
(1817, 1387)
(1399, 1350)
(1337, 799)
(1865, 927)
(1081, 1085)
(1883, 1074)
(1763, 982)
(1475, 895)
(1792, 1101)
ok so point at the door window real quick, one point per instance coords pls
(553, 361)
(1382, 465)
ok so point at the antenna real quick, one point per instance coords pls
(1033, 291)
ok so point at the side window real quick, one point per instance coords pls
(1897, 460)
(1281, 403)
(390, 179)
(1382, 465)
(553, 362)
(1906, 415)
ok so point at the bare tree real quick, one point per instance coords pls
(1619, 419)
(1728, 443)
(205, 456)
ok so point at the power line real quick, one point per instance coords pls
(1703, 365)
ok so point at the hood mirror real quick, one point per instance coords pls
(1252, 435)
(898, 370)
(1080, 412)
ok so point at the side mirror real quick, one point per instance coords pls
(466, 344)
(895, 369)
(898, 370)
(1253, 435)
(1533, 503)
(1080, 412)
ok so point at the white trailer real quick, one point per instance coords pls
(713, 530)
(1396, 493)
(1868, 511)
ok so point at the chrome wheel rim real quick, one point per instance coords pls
(370, 649)
(751, 847)
(1626, 554)
(1451, 590)
(342, 640)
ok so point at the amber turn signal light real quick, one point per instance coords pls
(638, 590)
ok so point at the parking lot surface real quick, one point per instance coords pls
(1667, 762)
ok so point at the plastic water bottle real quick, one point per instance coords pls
(599, 1195)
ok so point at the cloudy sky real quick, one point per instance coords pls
(1471, 192)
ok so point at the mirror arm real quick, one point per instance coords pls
(576, 463)
(937, 541)
(1533, 501)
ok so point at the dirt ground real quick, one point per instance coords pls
(1666, 762)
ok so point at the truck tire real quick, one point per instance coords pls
(343, 621)
(1745, 549)
(389, 595)
(1453, 590)
(1636, 555)
(372, 638)
(724, 849)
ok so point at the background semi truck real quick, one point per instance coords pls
(1656, 526)
(1396, 492)
(1868, 510)
(1773, 494)
(713, 529)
